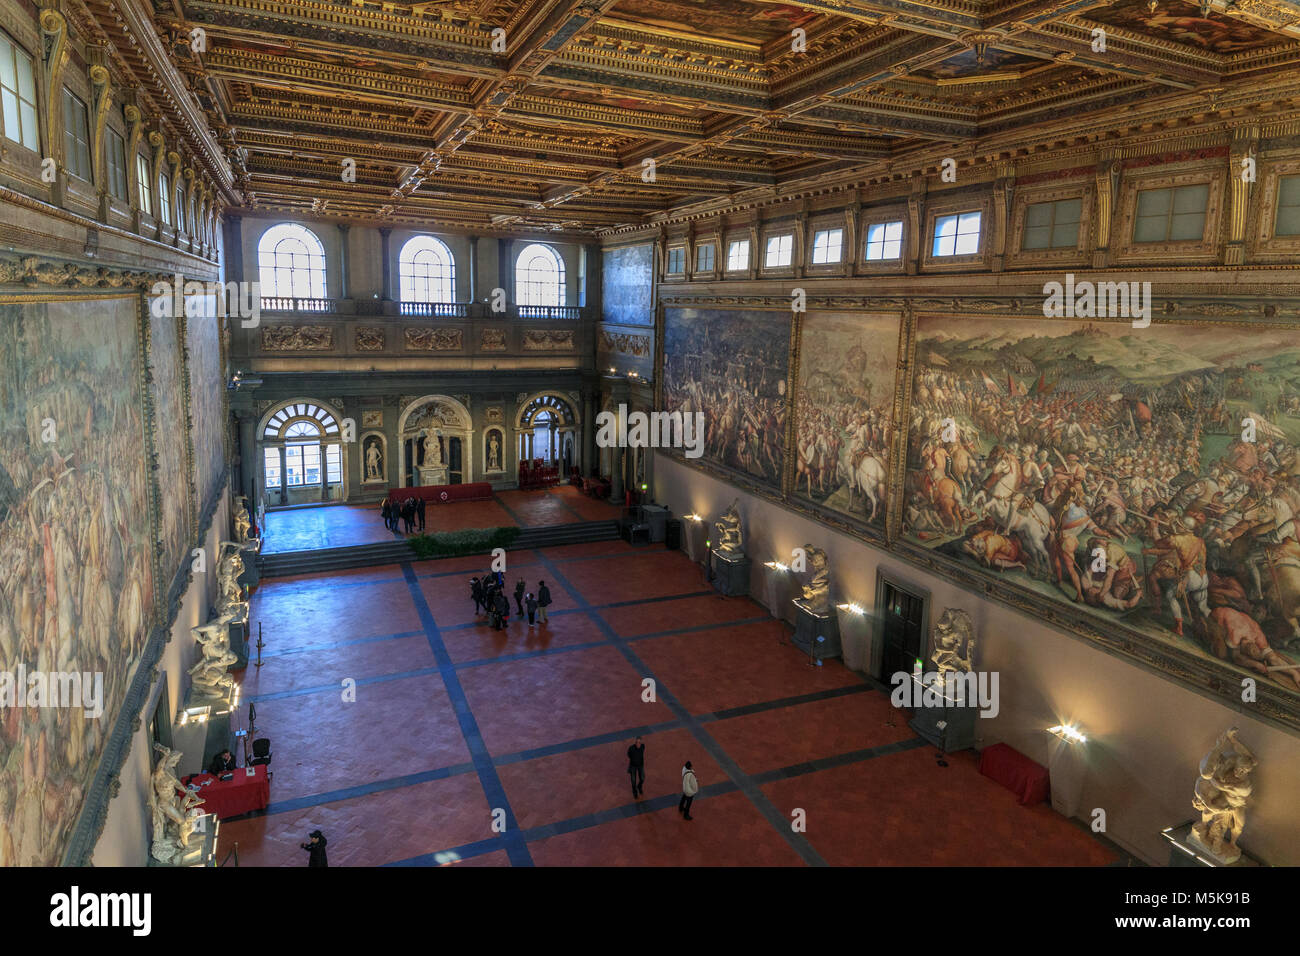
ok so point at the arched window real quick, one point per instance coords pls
(539, 276)
(426, 271)
(291, 262)
(301, 450)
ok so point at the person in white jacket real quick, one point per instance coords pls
(690, 787)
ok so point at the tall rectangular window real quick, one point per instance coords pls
(333, 464)
(1052, 225)
(884, 241)
(180, 206)
(1288, 207)
(293, 465)
(827, 246)
(738, 255)
(957, 235)
(311, 464)
(165, 198)
(143, 177)
(76, 135)
(1171, 215)
(271, 466)
(704, 255)
(780, 251)
(115, 154)
(676, 261)
(17, 95)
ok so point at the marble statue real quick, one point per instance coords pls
(230, 593)
(170, 804)
(730, 540)
(430, 449)
(1221, 793)
(243, 523)
(374, 461)
(494, 453)
(817, 592)
(214, 639)
(954, 643)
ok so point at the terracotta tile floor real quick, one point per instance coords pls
(452, 721)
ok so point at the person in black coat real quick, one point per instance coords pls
(520, 588)
(419, 511)
(503, 607)
(636, 767)
(386, 514)
(223, 762)
(543, 601)
(316, 848)
(531, 603)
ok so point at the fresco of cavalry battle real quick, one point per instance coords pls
(1145, 475)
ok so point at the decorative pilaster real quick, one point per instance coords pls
(54, 57)
(344, 232)
(384, 233)
(102, 84)
(1241, 179)
(915, 220)
(1108, 176)
(1003, 188)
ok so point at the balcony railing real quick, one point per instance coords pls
(289, 304)
(451, 310)
(550, 312)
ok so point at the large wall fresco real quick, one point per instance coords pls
(176, 513)
(1110, 470)
(844, 413)
(625, 281)
(76, 579)
(733, 366)
(207, 397)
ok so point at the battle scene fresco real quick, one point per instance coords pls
(76, 579)
(207, 384)
(843, 413)
(1148, 476)
(732, 366)
(1181, 22)
(171, 439)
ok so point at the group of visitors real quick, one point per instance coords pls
(409, 512)
(489, 594)
(636, 770)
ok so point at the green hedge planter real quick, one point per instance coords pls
(452, 544)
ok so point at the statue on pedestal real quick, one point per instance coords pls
(169, 806)
(230, 593)
(243, 522)
(430, 449)
(954, 643)
(1222, 790)
(214, 638)
(730, 540)
(817, 592)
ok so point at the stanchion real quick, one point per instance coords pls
(260, 645)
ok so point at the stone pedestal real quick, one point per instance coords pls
(818, 635)
(949, 726)
(435, 475)
(1067, 768)
(731, 573)
(202, 850)
(1186, 850)
(855, 639)
(239, 644)
(693, 540)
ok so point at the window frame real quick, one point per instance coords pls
(669, 271)
(777, 235)
(1208, 248)
(75, 109)
(748, 247)
(286, 231)
(825, 229)
(21, 57)
(939, 209)
(1051, 226)
(884, 243)
(113, 169)
(1169, 214)
(144, 191)
(410, 282)
(560, 277)
(712, 244)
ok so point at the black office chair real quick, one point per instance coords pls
(262, 754)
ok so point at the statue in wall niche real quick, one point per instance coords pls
(817, 592)
(1222, 790)
(169, 806)
(954, 643)
(430, 449)
(374, 461)
(730, 539)
(494, 453)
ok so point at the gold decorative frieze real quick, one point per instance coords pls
(426, 339)
(297, 338)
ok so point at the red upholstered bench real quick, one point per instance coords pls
(441, 494)
(1027, 780)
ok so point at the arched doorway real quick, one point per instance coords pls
(547, 429)
(300, 454)
(435, 442)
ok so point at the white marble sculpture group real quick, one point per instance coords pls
(817, 592)
(954, 643)
(1223, 788)
(169, 806)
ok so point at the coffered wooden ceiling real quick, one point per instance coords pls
(552, 132)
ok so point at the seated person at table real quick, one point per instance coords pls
(222, 763)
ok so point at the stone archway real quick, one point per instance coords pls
(435, 441)
(548, 426)
(301, 454)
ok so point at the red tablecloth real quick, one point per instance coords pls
(441, 494)
(239, 795)
(1009, 767)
